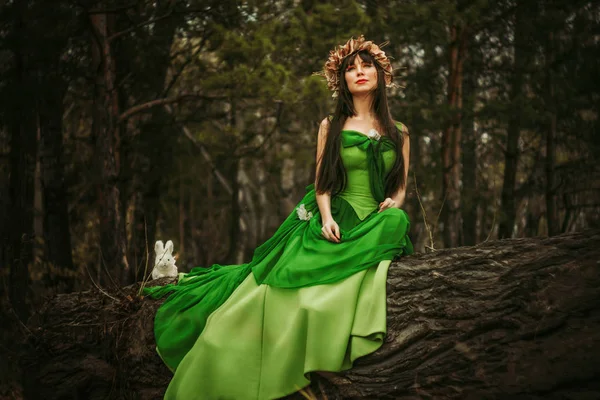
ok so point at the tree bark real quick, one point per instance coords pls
(23, 151)
(451, 139)
(551, 212)
(516, 318)
(57, 236)
(508, 204)
(105, 132)
(506, 319)
(469, 196)
(534, 215)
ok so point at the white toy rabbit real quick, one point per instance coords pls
(164, 263)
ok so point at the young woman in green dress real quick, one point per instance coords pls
(313, 296)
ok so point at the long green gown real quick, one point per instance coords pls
(256, 330)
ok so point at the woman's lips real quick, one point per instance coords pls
(362, 81)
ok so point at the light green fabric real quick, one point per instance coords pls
(263, 342)
(295, 258)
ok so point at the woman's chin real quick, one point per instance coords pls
(361, 91)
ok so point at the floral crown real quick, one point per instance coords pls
(331, 69)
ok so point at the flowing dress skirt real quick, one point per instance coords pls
(263, 342)
(256, 330)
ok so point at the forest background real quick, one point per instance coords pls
(125, 122)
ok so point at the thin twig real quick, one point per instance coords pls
(427, 225)
(137, 268)
(20, 322)
(495, 213)
(441, 208)
(142, 24)
(256, 149)
(205, 154)
(113, 10)
(177, 74)
(109, 274)
(96, 285)
(144, 278)
(307, 394)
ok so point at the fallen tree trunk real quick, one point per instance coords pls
(506, 319)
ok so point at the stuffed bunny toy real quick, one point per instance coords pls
(164, 264)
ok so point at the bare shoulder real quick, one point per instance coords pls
(402, 127)
(324, 126)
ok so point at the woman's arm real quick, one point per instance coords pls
(400, 195)
(397, 199)
(330, 229)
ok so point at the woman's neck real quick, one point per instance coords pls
(362, 108)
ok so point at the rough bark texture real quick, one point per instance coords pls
(451, 139)
(105, 131)
(516, 318)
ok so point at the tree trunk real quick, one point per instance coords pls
(57, 237)
(469, 196)
(5, 209)
(508, 204)
(234, 178)
(534, 215)
(551, 213)
(504, 319)
(23, 148)
(450, 216)
(236, 212)
(105, 132)
(149, 169)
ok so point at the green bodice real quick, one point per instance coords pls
(367, 162)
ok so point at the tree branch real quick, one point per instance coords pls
(159, 102)
(114, 10)
(148, 22)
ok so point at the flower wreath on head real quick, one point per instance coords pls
(331, 69)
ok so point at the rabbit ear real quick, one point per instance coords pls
(169, 246)
(159, 247)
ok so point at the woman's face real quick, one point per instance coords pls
(361, 76)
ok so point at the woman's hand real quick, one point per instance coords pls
(387, 203)
(331, 231)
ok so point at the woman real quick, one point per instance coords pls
(313, 296)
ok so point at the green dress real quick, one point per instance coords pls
(256, 330)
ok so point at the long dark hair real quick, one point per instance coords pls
(331, 176)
